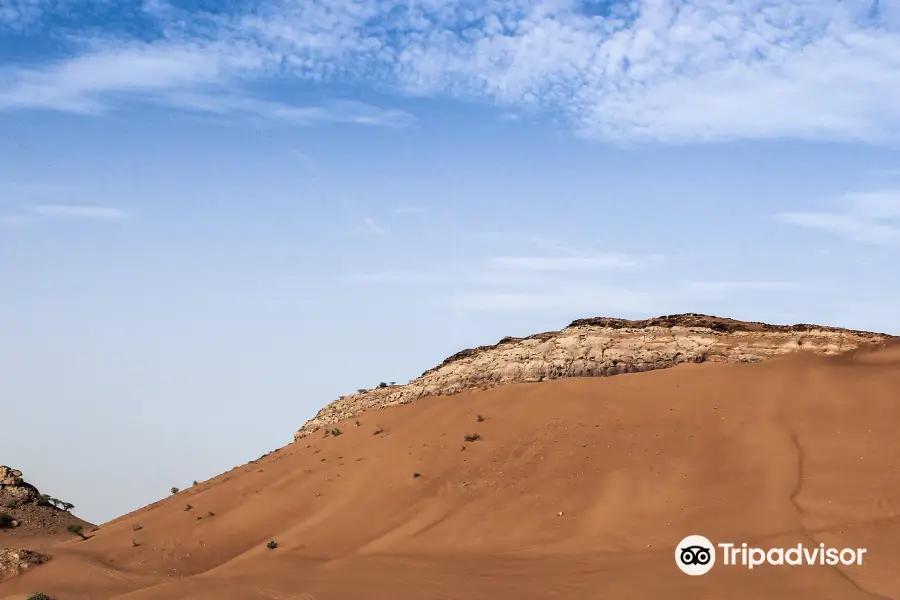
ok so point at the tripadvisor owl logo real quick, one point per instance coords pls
(696, 555)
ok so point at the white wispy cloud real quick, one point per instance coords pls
(16, 14)
(575, 298)
(410, 210)
(64, 211)
(566, 263)
(370, 226)
(717, 288)
(637, 70)
(394, 277)
(196, 76)
(865, 217)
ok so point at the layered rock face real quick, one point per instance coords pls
(602, 347)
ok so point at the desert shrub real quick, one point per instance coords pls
(77, 530)
(187, 507)
(272, 545)
(336, 432)
(136, 527)
(196, 482)
(134, 543)
(39, 596)
(471, 437)
(377, 431)
(357, 423)
(210, 513)
(67, 506)
(480, 418)
(416, 475)
(174, 490)
(362, 390)
(382, 385)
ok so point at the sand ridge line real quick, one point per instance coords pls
(120, 575)
(276, 595)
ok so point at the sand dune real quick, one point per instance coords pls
(577, 488)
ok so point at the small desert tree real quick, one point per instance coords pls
(67, 506)
(77, 530)
(174, 490)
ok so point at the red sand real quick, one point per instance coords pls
(797, 449)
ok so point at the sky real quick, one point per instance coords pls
(216, 216)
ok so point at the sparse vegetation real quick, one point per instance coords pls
(77, 530)
(39, 596)
(382, 385)
(357, 423)
(136, 527)
(134, 543)
(272, 545)
(462, 447)
(174, 490)
(471, 437)
(377, 431)
(416, 475)
(197, 482)
(187, 507)
(362, 390)
(480, 418)
(392, 382)
(336, 432)
(210, 513)
(67, 506)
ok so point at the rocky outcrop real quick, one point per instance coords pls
(13, 562)
(27, 510)
(10, 476)
(601, 347)
(16, 492)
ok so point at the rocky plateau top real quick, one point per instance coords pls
(601, 347)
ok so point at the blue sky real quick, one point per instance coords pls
(215, 217)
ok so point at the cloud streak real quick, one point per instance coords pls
(566, 263)
(63, 211)
(862, 217)
(643, 70)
